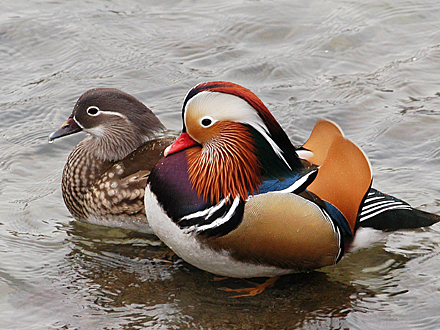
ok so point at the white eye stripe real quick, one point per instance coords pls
(93, 110)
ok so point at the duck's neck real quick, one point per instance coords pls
(225, 167)
(277, 159)
(114, 146)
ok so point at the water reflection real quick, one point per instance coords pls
(370, 66)
(124, 273)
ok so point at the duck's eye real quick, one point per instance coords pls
(93, 111)
(206, 121)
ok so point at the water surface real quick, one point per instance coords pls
(373, 67)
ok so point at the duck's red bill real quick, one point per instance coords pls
(182, 142)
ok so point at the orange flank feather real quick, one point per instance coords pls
(226, 165)
(320, 140)
(344, 176)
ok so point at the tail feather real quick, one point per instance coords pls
(385, 212)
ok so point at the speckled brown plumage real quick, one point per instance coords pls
(110, 193)
(105, 175)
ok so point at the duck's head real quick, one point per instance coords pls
(215, 107)
(117, 122)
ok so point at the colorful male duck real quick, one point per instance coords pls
(232, 196)
(105, 175)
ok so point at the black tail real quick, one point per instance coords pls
(385, 212)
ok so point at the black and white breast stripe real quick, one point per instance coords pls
(217, 220)
(377, 203)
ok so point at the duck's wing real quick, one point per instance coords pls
(385, 212)
(379, 211)
(121, 189)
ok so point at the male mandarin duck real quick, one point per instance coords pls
(105, 175)
(233, 197)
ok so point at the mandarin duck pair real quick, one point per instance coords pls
(232, 196)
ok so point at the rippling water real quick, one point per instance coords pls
(373, 67)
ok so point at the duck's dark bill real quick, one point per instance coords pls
(69, 127)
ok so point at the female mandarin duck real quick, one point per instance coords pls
(233, 198)
(106, 173)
